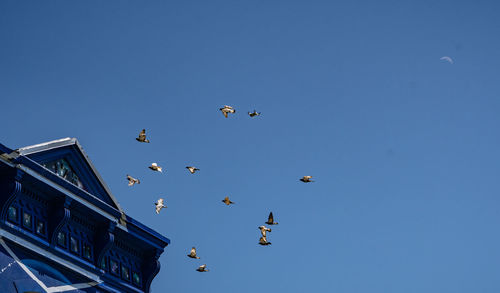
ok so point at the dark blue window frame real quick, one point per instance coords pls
(43, 233)
(78, 246)
(30, 227)
(65, 239)
(17, 211)
(111, 261)
(85, 244)
(137, 284)
(124, 267)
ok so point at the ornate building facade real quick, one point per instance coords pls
(61, 229)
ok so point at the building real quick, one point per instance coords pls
(61, 229)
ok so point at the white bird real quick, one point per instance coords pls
(192, 169)
(132, 180)
(254, 113)
(192, 254)
(263, 230)
(227, 109)
(142, 136)
(155, 167)
(306, 179)
(270, 220)
(446, 58)
(159, 205)
(202, 268)
(227, 201)
(263, 241)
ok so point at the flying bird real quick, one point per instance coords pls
(192, 169)
(132, 180)
(306, 179)
(446, 58)
(159, 205)
(263, 241)
(227, 201)
(192, 254)
(270, 220)
(254, 113)
(263, 230)
(142, 136)
(202, 268)
(227, 109)
(155, 167)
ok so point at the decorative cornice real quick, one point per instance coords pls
(5, 202)
(106, 244)
(152, 269)
(63, 214)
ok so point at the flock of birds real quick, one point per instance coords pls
(159, 204)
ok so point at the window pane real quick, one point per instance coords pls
(114, 267)
(27, 220)
(87, 252)
(61, 239)
(136, 278)
(125, 273)
(103, 263)
(75, 247)
(13, 214)
(40, 228)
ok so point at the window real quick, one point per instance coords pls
(27, 223)
(40, 228)
(74, 245)
(113, 264)
(136, 278)
(103, 263)
(61, 239)
(12, 216)
(125, 273)
(87, 251)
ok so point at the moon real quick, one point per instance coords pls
(447, 59)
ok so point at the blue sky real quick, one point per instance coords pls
(404, 147)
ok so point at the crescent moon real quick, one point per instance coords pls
(447, 59)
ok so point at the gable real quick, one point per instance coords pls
(66, 158)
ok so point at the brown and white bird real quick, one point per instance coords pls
(263, 230)
(227, 201)
(132, 180)
(192, 169)
(159, 205)
(306, 179)
(142, 136)
(227, 109)
(270, 220)
(192, 254)
(202, 268)
(155, 167)
(263, 241)
(253, 114)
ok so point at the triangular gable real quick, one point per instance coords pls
(66, 158)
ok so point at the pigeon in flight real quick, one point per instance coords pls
(227, 109)
(159, 205)
(155, 167)
(306, 179)
(254, 113)
(192, 169)
(270, 220)
(132, 180)
(202, 268)
(227, 201)
(263, 230)
(192, 254)
(263, 241)
(142, 136)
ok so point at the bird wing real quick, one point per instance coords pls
(193, 251)
(270, 219)
(447, 59)
(225, 113)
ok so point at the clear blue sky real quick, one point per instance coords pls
(404, 146)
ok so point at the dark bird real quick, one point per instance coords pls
(132, 180)
(227, 109)
(263, 230)
(254, 113)
(202, 268)
(142, 136)
(227, 201)
(270, 220)
(306, 179)
(192, 254)
(192, 169)
(263, 241)
(155, 167)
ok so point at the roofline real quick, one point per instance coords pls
(69, 142)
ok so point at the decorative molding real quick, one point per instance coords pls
(102, 247)
(63, 215)
(5, 202)
(153, 269)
